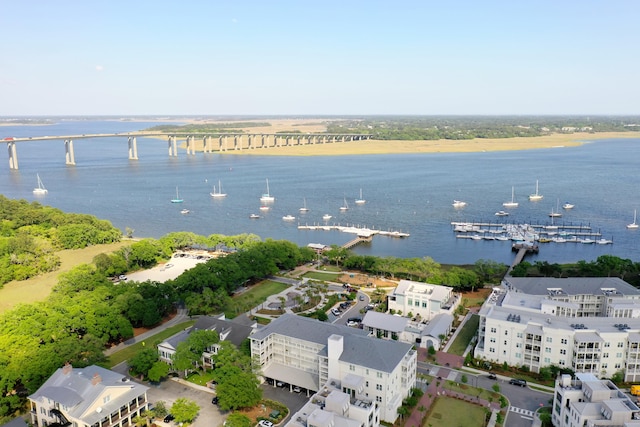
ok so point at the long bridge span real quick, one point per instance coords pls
(193, 141)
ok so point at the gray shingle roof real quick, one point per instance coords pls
(359, 349)
(570, 285)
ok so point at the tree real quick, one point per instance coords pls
(237, 388)
(237, 419)
(184, 410)
(143, 361)
(158, 371)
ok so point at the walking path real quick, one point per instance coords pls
(180, 317)
(435, 389)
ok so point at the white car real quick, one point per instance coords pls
(265, 423)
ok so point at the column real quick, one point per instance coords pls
(13, 155)
(205, 145)
(249, 140)
(262, 141)
(70, 158)
(173, 146)
(235, 142)
(133, 148)
(299, 137)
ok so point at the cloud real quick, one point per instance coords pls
(99, 68)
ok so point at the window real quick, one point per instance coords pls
(424, 304)
(493, 330)
(352, 368)
(547, 349)
(366, 383)
(547, 360)
(561, 362)
(618, 355)
(378, 399)
(492, 350)
(563, 351)
(606, 344)
(617, 366)
(605, 355)
(620, 344)
(506, 332)
(563, 341)
(492, 339)
(410, 301)
(106, 399)
(604, 366)
(549, 339)
(519, 335)
(518, 355)
(505, 342)
(378, 386)
(417, 303)
(518, 344)
(379, 374)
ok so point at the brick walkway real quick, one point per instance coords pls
(415, 418)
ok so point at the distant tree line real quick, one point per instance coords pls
(471, 127)
(230, 127)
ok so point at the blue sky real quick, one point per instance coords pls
(319, 57)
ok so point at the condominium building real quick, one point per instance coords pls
(587, 324)
(87, 397)
(375, 375)
(587, 401)
(423, 300)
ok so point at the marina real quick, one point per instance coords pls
(540, 233)
(360, 231)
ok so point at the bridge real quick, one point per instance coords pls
(207, 142)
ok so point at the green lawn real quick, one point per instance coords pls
(465, 335)
(318, 275)
(254, 296)
(128, 352)
(450, 412)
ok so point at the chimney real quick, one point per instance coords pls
(96, 379)
(66, 369)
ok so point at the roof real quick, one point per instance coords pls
(234, 332)
(386, 322)
(570, 285)
(16, 422)
(76, 389)
(358, 348)
(433, 292)
(440, 324)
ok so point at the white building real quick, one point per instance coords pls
(234, 331)
(421, 334)
(589, 402)
(587, 324)
(422, 299)
(375, 375)
(87, 397)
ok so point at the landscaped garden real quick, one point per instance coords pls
(450, 412)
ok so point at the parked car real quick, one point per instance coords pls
(335, 312)
(169, 418)
(492, 376)
(265, 423)
(281, 384)
(214, 400)
(297, 389)
(361, 297)
(517, 381)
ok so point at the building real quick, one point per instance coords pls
(417, 299)
(87, 397)
(421, 334)
(376, 375)
(234, 331)
(587, 324)
(589, 402)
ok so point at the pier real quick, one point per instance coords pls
(364, 234)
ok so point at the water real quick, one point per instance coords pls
(408, 192)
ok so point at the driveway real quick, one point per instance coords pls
(293, 401)
(168, 391)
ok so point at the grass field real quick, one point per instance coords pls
(39, 288)
(254, 296)
(450, 412)
(128, 352)
(317, 275)
(465, 335)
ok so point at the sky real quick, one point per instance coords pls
(295, 58)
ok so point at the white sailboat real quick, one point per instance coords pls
(218, 193)
(568, 205)
(344, 207)
(177, 199)
(634, 224)
(288, 218)
(535, 196)
(459, 204)
(326, 217)
(304, 208)
(360, 201)
(557, 213)
(267, 197)
(40, 190)
(512, 203)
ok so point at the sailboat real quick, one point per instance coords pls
(40, 190)
(557, 213)
(536, 196)
(512, 203)
(177, 199)
(218, 193)
(634, 224)
(267, 197)
(344, 207)
(304, 208)
(360, 201)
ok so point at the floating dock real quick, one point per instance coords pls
(362, 232)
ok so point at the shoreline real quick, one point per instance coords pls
(371, 147)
